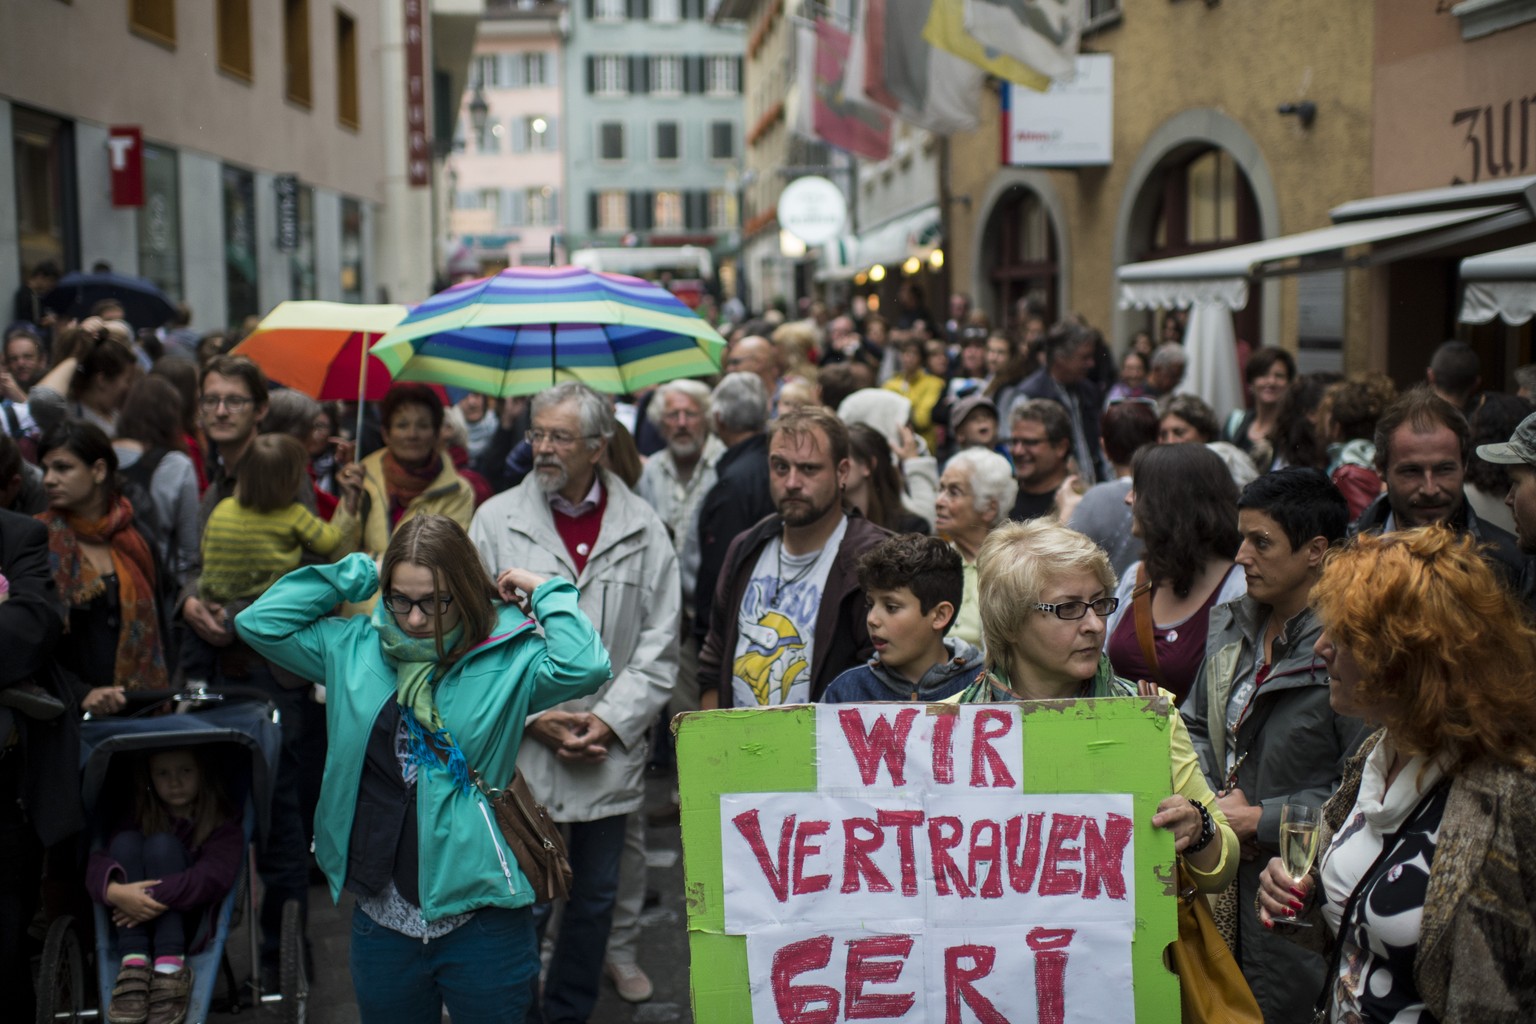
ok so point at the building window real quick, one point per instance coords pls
(301, 262)
(239, 189)
(669, 211)
(1023, 253)
(296, 51)
(666, 11)
(667, 75)
(542, 206)
(612, 210)
(1101, 13)
(722, 76)
(533, 134)
(490, 199)
(722, 210)
(535, 69)
(351, 250)
(160, 221)
(722, 140)
(487, 72)
(609, 75)
(668, 141)
(608, 10)
(234, 32)
(610, 140)
(43, 147)
(347, 110)
(153, 19)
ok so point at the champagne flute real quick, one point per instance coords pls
(1298, 844)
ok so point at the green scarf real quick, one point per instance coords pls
(415, 660)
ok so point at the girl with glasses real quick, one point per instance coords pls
(436, 682)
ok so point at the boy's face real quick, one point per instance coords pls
(907, 641)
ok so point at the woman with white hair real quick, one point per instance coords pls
(1046, 593)
(976, 493)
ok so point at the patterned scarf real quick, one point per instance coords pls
(416, 662)
(992, 687)
(140, 663)
(404, 485)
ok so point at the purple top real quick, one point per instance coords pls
(1180, 648)
(215, 865)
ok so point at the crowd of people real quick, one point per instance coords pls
(1333, 585)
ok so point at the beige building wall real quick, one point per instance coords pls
(1186, 72)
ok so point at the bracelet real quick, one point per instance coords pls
(1207, 829)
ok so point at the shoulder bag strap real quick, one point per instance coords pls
(1141, 611)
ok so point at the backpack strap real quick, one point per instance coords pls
(1146, 635)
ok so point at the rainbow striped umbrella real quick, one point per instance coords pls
(526, 328)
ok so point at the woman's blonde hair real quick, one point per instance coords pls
(1015, 565)
(1445, 652)
(440, 545)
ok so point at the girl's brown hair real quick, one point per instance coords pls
(211, 809)
(440, 545)
(1445, 653)
(270, 472)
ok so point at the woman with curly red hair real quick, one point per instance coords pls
(1427, 874)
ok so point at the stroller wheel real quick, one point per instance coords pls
(293, 980)
(61, 979)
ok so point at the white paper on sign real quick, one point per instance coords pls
(1024, 974)
(934, 860)
(863, 748)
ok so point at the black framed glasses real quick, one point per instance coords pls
(1071, 610)
(432, 604)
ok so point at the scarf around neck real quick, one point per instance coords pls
(404, 484)
(415, 661)
(140, 660)
(993, 686)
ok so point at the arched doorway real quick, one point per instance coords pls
(1021, 256)
(1199, 199)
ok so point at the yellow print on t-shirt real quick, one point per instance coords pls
(774, 660)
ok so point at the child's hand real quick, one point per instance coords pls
(132, 904)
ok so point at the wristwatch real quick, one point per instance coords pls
(1207, 829)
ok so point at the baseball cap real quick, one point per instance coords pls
(1518, 450)
(966, 406)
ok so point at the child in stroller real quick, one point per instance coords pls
(177, 858)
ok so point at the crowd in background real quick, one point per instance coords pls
(837, 517)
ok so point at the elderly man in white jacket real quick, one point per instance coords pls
(573, 519)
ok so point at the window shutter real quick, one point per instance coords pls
(632, 9)
(550, 145)
(737, 62)
(552, 207)
(636, 211)
(644, 7)
(518, 201)
(591, 73)
(592, 217)
(647, 210)
(693, 75)
(591, 9)
(639, 74)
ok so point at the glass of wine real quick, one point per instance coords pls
(1298, 843)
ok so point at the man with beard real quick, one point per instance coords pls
(585, 759)
(1041, 442)
(788, 614)
(1422, 446)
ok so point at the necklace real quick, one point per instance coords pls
(779, 582)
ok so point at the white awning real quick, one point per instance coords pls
(682, 260)
(1500, 284)
(1222, 275)
(911, 234)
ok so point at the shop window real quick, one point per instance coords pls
(296, 52)
(160, 221)
(153, 19)
(301, 262)
(43, 157)
(239, 188)
(1024, 255)
(351, 250)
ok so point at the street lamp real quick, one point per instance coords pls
(479, 110)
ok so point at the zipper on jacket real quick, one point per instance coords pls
(511, 887)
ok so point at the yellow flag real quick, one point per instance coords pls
(946, 30)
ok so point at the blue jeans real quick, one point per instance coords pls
(570, 988)
(160, 855)
(482, 971)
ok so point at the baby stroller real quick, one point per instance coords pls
(243, 732)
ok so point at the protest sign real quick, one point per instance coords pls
(944, 863)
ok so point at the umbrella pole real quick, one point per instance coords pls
(362, 389)
(551, 355)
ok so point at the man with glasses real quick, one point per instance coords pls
(585, 759)
(232, 402)
(1040, 442)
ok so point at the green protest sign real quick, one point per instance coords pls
(942, 862)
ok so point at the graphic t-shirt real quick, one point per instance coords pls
(776, 624)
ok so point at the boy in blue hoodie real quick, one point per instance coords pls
(913, 585)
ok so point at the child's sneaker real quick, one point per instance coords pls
(130, 996)
(168, 996)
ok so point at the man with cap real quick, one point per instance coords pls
(1518, 456)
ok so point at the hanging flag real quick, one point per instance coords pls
(858, 128)
(1040, 34)
(798, 104)
(873, 52)
(947, 29)
(937, 90)
(858, 50)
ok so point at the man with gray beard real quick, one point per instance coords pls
(585, 759)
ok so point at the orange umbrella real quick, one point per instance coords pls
(317, 348)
